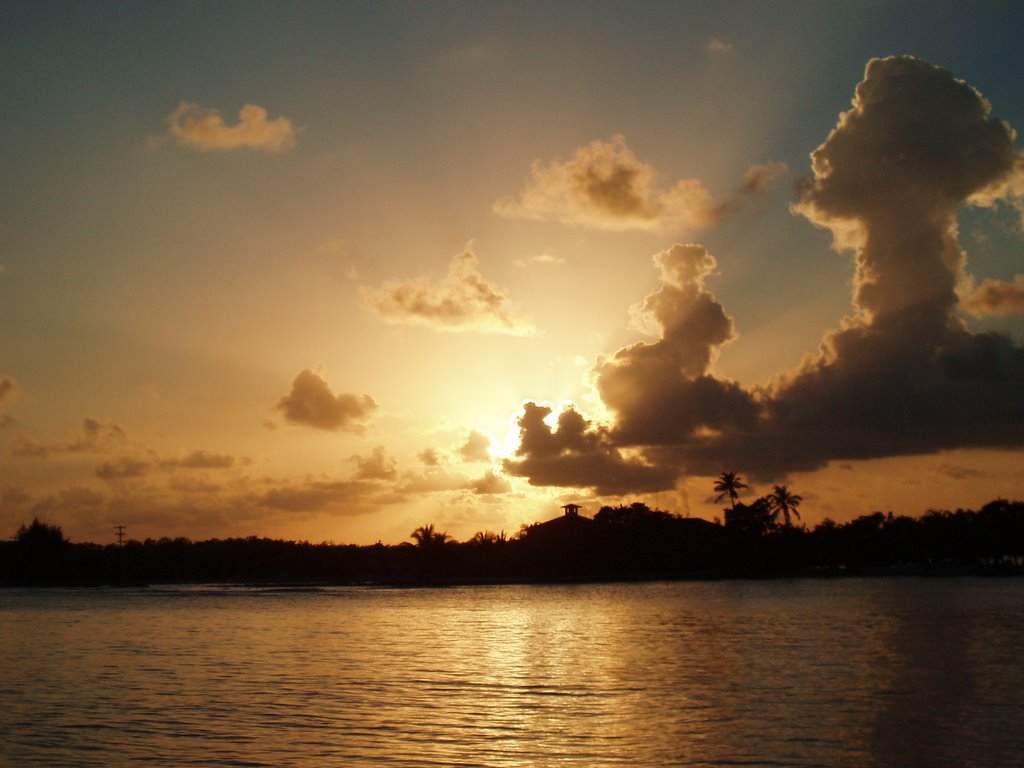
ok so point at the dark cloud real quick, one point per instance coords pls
(890, 176)
(902, 376)
(578, 453)
(661, 392)
(312, 404)
(462, 301)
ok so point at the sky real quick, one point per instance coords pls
(332, 271)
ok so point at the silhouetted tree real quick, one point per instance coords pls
(754, 518)
(427, 538)
(729, 484)
(781, 501)
(488, 537)
(41, 552)
(40, 535)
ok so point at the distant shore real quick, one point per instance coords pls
(621, 544)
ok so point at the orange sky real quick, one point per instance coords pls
(335, 272)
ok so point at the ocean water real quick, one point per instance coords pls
(853, 672)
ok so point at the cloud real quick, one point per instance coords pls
(759, 177)
(540, 258)
(8, 389)
(430, 481)
(717, 45)
(378, 465)
(202, 460)
(902, 376)
(995, 297)
(888, 180)
(462, 301)
(1009, 191)
(94, 436)
(68, 500)
(311, 403)
(126, 467)
(605, 186)
(476, 448)
(123, 468)
(431, 457)
(196, 127)
(956, 472)
(312, 495)
(662, 392)
(490, 484)
(578, 453)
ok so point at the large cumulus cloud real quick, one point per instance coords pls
(903, 374)
(662, 392)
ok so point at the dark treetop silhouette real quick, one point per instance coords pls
(622, 542)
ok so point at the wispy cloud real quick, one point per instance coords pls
(94, 436)
(994, 297)
(203, 129)
(540, 258)
(717, 45)
(462, 301)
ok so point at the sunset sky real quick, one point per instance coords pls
(331, 271)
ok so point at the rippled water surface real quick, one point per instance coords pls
(896, 672)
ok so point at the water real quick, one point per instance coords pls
(857, 672)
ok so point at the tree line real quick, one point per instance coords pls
(756, 539)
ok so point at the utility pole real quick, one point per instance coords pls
(119, 529)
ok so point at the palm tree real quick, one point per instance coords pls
(729, 484)
(426, 537)
(781, 500)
